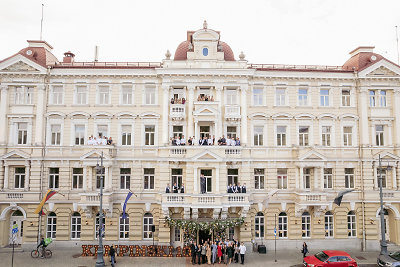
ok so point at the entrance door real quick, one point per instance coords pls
(176, 237)
(208, 175)
(16, 218)
(204, 131)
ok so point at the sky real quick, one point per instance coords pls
(306, 32)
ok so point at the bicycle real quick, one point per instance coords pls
(36, 253)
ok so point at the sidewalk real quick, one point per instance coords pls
(71, 258)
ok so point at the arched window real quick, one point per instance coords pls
(328, 224)
(51, 225)
(76, 225)
(17, 213)
(351, 224)
(147, 224)
(306, 224)
(124, 226)
(259, 225)
(96, 234)
(283, 225)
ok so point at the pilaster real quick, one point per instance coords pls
(165, 114)
(3, 114)
(40, 105)
(243, 134)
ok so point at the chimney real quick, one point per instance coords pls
(69, 57)
(362, 49)
(96, 53)
(44, 44)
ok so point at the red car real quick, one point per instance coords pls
(331, 258)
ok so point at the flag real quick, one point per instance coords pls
(126, 200)
(339, 197)
(46, 197)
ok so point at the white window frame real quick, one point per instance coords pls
(127, 93)
(348, 137)
(259, 226)
(383, 98)
(259, 179)
(54, 178)
(279, 135)
(149, 179)
(282, 178)
(258, 136)
(148, 221)
(231, 96)
(349, 179)
(257, 97)
(233, 178)
(329, 225)
(79, 136)
(152, 91)
(305, 176)
(125, 179)
(124, 224)
(76, 227)
(148, 135)
(78, 96)
(326, 136)
(306, 225)
(79, 177)
(283, 226)
(176, 177)
(303, 99)
(302, 136)
(125, 122)
(328, 178)
(57, 98)
(102, 122)
(324, 100)
(346, 98)
(20, 177)
(280, 99)
(23, 95)
(351, 224)
(24, 133)
(103, 98)
(51, 226)
(379, 135)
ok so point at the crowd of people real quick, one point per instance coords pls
(237, 188)
(225, 252)
(100, 141)
(205, 141)
(175, 188)
(178, 100)
(205, 98)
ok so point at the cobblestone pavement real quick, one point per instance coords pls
(71, 258)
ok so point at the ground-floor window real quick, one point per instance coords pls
(76, 225)
(51, 225)
(124, 227)
(259, 225)
(351, 224)
(328, 224)
(103, 231)
(306, 224)
(147, 226)
(177, 234)
(283, 225)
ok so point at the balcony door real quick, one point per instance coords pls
(208, 180)
(204, 131)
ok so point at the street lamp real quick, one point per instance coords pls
(382, 213)
(100, 259)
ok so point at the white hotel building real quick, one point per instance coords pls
(306, 132)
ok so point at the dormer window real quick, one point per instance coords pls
(205, 51)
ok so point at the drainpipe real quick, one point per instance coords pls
(361, 156)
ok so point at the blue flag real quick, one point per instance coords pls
(126, 200)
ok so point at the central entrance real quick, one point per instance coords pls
(204, 235)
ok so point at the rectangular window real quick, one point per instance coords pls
(57, 95)
(257, 97)
(149, 132)
(233, 176)
(326, 135)
(324, 97)
(328, 178)
(231, 97)
(77, 178)
(303, 97)
(303, 135)
(280, 97)
(307, 178)
(19, 178)
(379, 135)
(54, 177)
(104, 95)
(123, 228)
(372, 100)
(382, 173)
(382, 98)
(282, 178)
(177, 234)
(349, 177)
(79, 134)
(306, 226)
(259, 178)
(259, 226)
(149, 178)
(76, 227)
(100, 173)
(81, 95)
(258, 135)
(22, 133)
(345, 98)
(126, 132)
(328, 225)
(347, 136)
(127, 96)
(231, 131)
(281, 135)
(351, 224)
(23, 95)
(283, 226)
(177, 131)
(51, 226)
(176, 177)
(208, 179)
(150, 95)
(55, 134)
(125, 178)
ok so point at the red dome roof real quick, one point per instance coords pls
(183, 48)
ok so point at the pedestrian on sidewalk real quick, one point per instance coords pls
(304, 250)
(112, 255)
(242, 250)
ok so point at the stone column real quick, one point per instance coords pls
(85, 183)
(40, 105)
(243, 111)
(396, 116)
(317, 173)
(218, 98)
(363, 105)
(195, 183)
(165, 115)
(389, 139)
(217, 180)
(394, 176)
(322, 178)
(106, 178)
(6, 173)
(90, 179)
(3, 114)
(27, 174)
(197, 136)
(110, 178)
(301, 178)
(190, 100)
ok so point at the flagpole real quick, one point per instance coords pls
(382, 215)
(41, 24)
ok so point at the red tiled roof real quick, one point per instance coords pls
(183, 48)
(39, 55)
(362, 60)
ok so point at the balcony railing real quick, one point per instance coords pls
(178, 151)
(311, 197)
(232, 111)
(204, 200)
(15, 195)
(233, 151)
(93, 199)
(177, 111)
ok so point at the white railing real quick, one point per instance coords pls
(15, 195)
(178, 151)
(206, 199)
(236, 198)
(232, 111)
(313, 198)
(388, 195)
(92, 198)
(233, 151)
(179, 199)
(177, 110)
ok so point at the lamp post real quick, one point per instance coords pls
(382, 214)
(100, 259)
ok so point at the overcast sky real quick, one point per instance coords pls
(281, 31)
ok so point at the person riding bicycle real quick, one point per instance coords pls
(43, 245)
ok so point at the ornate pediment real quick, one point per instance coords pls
(19, 67)
(382, 71)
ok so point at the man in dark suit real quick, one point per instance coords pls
(167, 189)
(175, 188)
(193, 249)
(244, 188)
(182, 188)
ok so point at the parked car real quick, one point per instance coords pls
(393, 259)
(331, 258)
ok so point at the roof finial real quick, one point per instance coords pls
(205, 25)
(168, 55)
(242, 56)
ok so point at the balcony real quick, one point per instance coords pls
(93, 199)
(232, 112)
(205, 200)
(177, 111)
(19, 197)
(311, 198)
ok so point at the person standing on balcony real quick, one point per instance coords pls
(178, 140)
(230, 189)
(182, 189)
(175, 188)
(209, 141)
(183, 140)
(239, 188)
(167, 189)
(244, 188)
(237, 141)
(203, 183)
